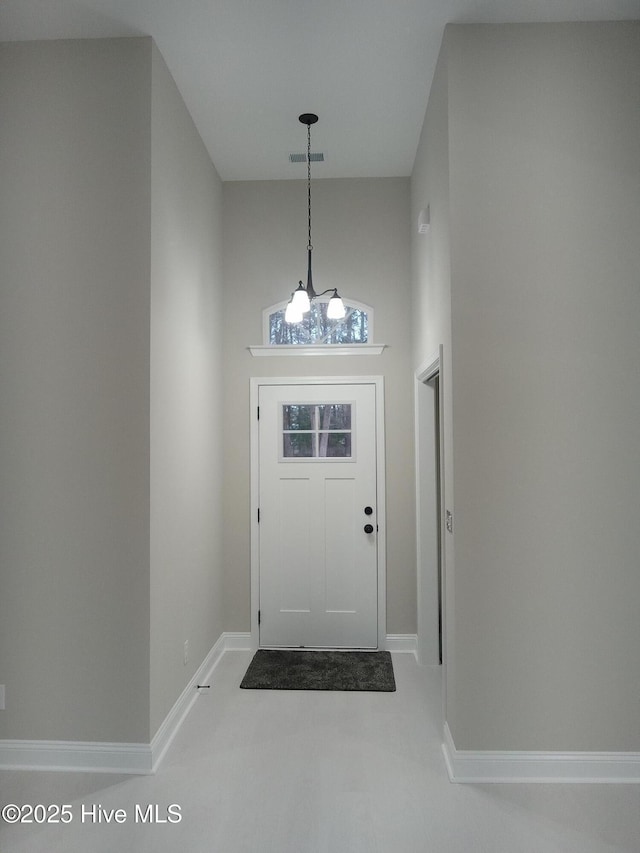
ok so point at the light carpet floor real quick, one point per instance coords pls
(276, 772)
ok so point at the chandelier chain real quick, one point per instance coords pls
(309, 182)
(301, 299)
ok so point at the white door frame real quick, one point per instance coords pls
(429, 540)
(381, 538)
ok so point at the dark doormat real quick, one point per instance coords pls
(305, 670)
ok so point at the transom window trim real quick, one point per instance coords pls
(297, 350)
(350, 305)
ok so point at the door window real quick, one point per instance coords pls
(316, 431)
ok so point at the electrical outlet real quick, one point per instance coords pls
(186, 652)
(2, 705)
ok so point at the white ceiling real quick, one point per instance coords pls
(248, 68)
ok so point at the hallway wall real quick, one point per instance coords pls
(74, 372)
(544, 212)
(110, 369)
(186, 396)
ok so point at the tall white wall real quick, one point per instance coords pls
(544, 195)
(361, 245)
(110, 376)
(74, 380)
(186, 396)
(431, 328)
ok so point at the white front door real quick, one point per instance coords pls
(318, 556)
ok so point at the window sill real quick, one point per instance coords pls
(322, 349)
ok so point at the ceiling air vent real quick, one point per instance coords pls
(315, 157)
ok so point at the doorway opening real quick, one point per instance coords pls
(429, 513)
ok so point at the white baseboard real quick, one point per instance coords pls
(240, 641)
(402, 643)
(514, 766)
(176, 716)
(77, 756)
(124, 758)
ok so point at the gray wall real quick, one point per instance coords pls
(544, 193)
(74, 379)
(110, 372)
(431, 321)
(361, 245)
(186, 394)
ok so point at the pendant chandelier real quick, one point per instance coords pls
(301, 298)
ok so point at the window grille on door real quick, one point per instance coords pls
(317, 431)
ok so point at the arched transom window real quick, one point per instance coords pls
(315, 329)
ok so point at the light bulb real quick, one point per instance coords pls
(300, 300)
(292, 314)
(335, 308)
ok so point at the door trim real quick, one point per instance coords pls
(425, 373)
(381, 539)
(429, 461)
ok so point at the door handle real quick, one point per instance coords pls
(368, 528)
(368, 510)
